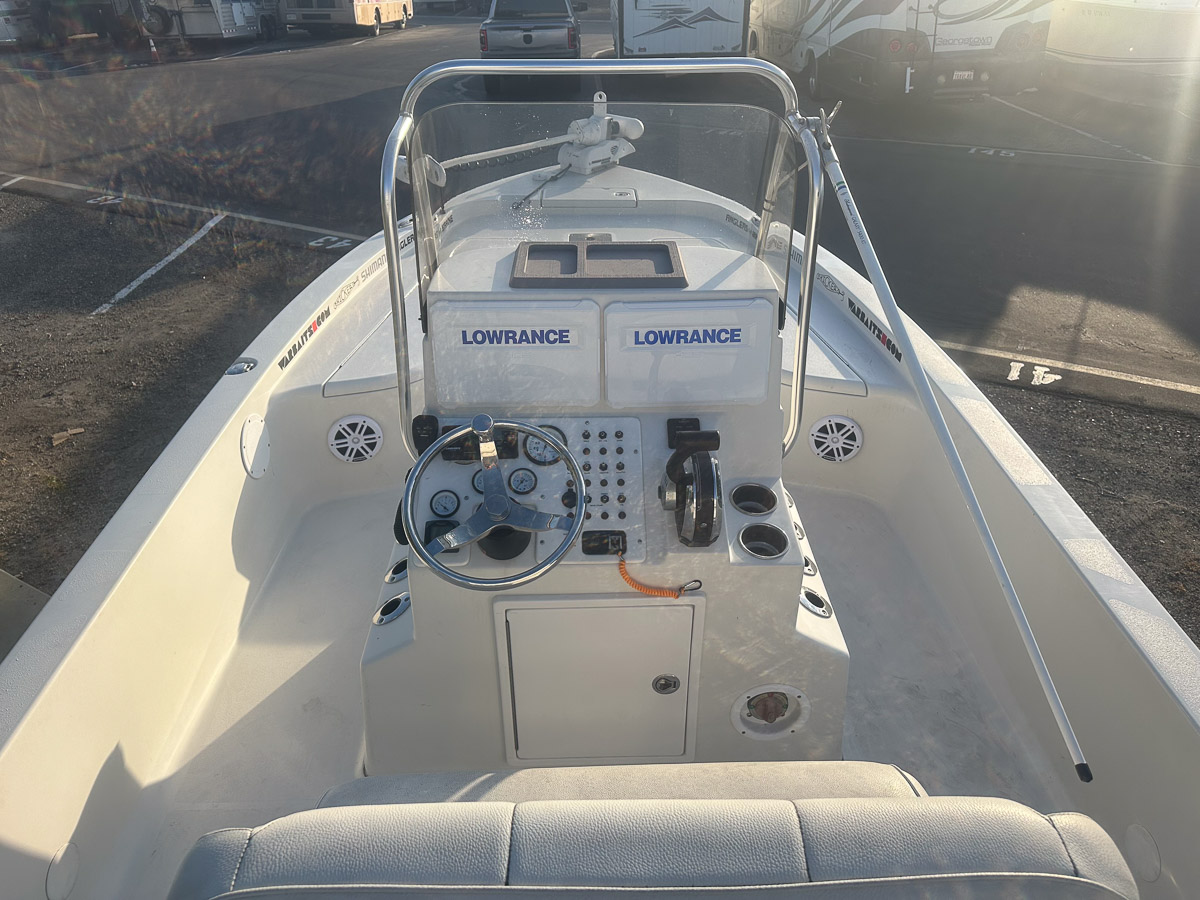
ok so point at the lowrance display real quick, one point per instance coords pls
(515, 354)
(699, 352)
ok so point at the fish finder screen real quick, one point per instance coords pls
(466, 449)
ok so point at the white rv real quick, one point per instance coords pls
(680, 27)
(1122, 46)
(220, 19)
(884, 48)
(15, 26)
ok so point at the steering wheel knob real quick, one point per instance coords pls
(482, 426)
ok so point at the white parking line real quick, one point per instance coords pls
(1020, 151)
(1074, 367)
(154, 269)
(1086, 134)
(94, 62)
(231, 55)
(174, 204)
(11, 181)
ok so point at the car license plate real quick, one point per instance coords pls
(964, 75)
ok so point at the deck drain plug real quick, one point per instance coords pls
(836, 438)
(355, 438)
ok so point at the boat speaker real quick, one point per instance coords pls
(836, 438)
(355, 439)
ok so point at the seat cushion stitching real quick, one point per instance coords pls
(908, 779)
(512, 815)
(241, 856)
(1070, 858)
(803, 846)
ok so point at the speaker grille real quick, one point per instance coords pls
(836, 438)
(355, 439)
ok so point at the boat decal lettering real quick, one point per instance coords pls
(406, 240)
(374, 266)
(302, 339)
(509, 336)
(830, 284)
(870, 324)
(651, 337)
(750, 228)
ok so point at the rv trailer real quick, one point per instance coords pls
(661, 28)
(888, 48)
(1124, 47)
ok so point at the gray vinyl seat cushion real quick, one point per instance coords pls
(806, 780)
(846, 848)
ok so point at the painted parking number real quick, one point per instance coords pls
(1040, 375)
(331, 242)
(991, 151)
(105, 200)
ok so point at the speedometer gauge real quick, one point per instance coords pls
(541, 453)
(444, 503)
(522, 481)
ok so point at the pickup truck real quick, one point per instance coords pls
(530, 29)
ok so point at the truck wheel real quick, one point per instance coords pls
(812, 80)
(268, 29)
(374, 28)
(402, 22)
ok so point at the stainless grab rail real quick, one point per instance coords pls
(808, 271)
(391, 243)
(397, 140)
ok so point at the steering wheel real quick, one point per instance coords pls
(498, 509)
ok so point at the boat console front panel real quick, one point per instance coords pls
(689, 621)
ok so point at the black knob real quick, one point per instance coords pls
(587, 467)
(620, 467)
(603, 482)
(620, 482)
(569, 499)
(620, 450)
(604, 451)
(602, 435)
(604, 515)
(603, 467)
(604, 498)
(587, 435)
(587, 451)
(618, 434)
(621, 514)
(620, 498)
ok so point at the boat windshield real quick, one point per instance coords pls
(703, 172)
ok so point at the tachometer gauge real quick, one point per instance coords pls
(522, 481)
(444, 504)
(477, 481)
(539, 451)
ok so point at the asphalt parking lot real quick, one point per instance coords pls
(1044, 240)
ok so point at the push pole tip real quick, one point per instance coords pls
(1084, 771)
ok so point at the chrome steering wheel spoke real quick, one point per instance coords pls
(525, 519)
(476, 527)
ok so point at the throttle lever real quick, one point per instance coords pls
(687, 443)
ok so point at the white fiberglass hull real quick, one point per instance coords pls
(200, 666)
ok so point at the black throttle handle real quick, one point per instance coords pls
(687, 443)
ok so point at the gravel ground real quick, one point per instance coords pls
(128, 378)
(1135, 472)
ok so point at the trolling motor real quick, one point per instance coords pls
(691, 484)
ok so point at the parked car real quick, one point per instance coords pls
(528, 29)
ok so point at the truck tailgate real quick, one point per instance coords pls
(527, 37)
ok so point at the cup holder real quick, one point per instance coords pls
(764, 541)
(753, 499)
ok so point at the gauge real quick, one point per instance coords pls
(539, 451)
(477, 481)
(522, 481)
(444, 504)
